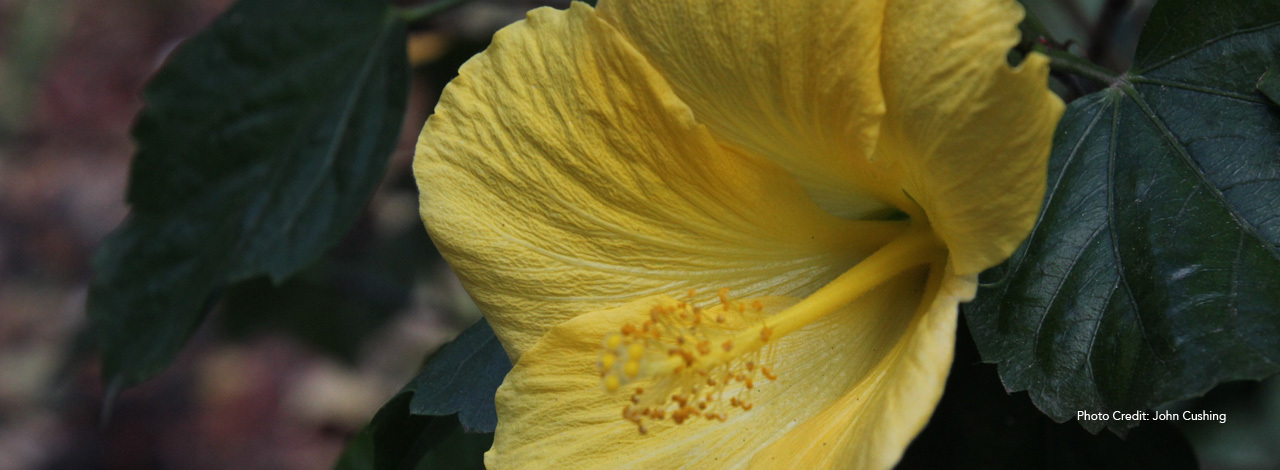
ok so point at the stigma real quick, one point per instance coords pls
(693, 361)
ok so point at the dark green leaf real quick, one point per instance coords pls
(395, 439)
(1178, 27)
(978, 425)
(337, 303)
(462, 378)
(1153, 272)
(262, 139)
(1269, 84)
(332, 307)
(445, 417)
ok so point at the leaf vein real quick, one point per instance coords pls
(1075, 150)
(341, 132)
(1142, 80)
(1208, 43)
(1115, 237)
(1035, 345)
(1184, 156)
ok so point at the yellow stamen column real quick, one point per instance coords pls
(692, 354)
(916, 247)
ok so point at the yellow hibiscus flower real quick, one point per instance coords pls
(716, 234)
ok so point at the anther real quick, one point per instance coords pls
(694, 368)
(679, 416)
(613, 342)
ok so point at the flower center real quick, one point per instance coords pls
(705, 362)
(672, 347)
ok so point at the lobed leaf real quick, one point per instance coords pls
(462, 378)
(445, 417)
(1153, 274)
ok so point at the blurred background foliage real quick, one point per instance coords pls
(283, 377)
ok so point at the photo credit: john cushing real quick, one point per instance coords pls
(1157, 415)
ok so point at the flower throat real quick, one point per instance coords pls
(706, 362)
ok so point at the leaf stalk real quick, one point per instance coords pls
(1066, 62)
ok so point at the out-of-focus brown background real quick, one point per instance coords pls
(241, 395)
(249, 394)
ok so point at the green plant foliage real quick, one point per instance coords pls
(1269, 84)
(395, 439)
(333, 307)
(1153, 274)
(445, 417)
(462, 378)
(978, 425)
(262, 139)
(338, 303)
(1177, 28)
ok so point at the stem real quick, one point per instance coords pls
(418, 13)
(1032, 24)
(1061, 61)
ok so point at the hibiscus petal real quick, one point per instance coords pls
(871, 425)
(794, 81)
(561, 175)
(971, 133)
(882, 349)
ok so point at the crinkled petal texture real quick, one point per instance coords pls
(852, 391)
(808, 84)
(971, 134)
(588, 164)
(561, 175)
(794, 81)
